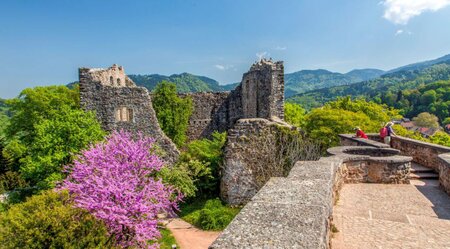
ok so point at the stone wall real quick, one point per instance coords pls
(288, 212)
(444, 172)
(263, 90)
(434, 156)
(210, 113)
(248, 162)
(118, 107)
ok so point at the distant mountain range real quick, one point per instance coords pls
(307, 80)
(185, 82)
(403, 78)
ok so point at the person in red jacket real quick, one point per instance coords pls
(360, 133)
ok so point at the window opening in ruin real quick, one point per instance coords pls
(111, 80)
(124, 114)
(118, 82)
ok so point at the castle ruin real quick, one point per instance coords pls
(120, 104)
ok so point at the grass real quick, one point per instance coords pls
(208, 214)
(167, 239)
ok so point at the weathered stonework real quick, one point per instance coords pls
(263, 90)
(120, 104)
(100, 92)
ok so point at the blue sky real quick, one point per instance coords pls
(44, 42)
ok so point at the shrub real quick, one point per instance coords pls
(208, 214)
(113, 181)
(48, 220)
(202, 159)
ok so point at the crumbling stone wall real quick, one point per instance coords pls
(122, 106)
(210, 113)
(258, 149)
(263, 90)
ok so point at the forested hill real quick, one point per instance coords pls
(381, 89)
(185, 82)
(307, 80)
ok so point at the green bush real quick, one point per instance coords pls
(203, 159)
(208, 214)
(179, 177)
(48, 220)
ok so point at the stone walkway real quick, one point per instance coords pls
(190, 237)
(402, 216)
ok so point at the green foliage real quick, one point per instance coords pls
(4, 118)
(49, 221)
(426, 119)
(439, 137)
(56, 142)
(203, 159)
(167, 240)
(47, 128)
(35, 105)
(342, 116)
(180, 177)
(294, 114)
(446, 121)
(208, 214)
(172, 111)
(384, 89)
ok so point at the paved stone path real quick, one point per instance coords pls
(383, 216)
(190, 237)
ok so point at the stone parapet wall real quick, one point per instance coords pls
(288, 212)
(350, 140)
(422, 152)
(434, 156)
(444, 172)
(368, 164)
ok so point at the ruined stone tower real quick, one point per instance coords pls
(120, 105)
(263, 90)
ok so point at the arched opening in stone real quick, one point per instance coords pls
(118, 82)
(111, 81)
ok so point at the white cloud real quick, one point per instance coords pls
(280, 48)
(262, 54)
(400, 11)
(223, 67)
(403, 32)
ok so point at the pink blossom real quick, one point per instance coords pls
(115, 182)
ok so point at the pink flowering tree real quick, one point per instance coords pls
(114, 182)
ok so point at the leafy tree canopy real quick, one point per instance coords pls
(426, 119)
(172, 111)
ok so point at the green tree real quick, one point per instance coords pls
(294, 114)
(172, 111)
(324, 124)
(48, 220)
(56, 142)
(426, 119)
(46, 129)
(35, 105)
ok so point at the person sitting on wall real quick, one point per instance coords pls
(387, 132)
(360, 133)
